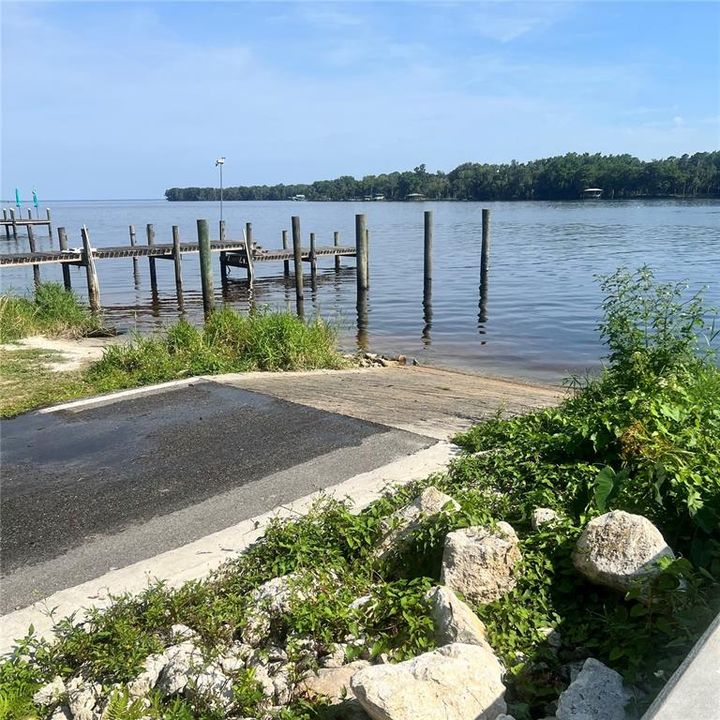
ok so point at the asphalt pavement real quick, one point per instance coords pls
(90, 489)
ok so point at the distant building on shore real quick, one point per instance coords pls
(592, 193)
(415, 196)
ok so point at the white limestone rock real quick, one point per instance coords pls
(479, 562)
(542, 516)
(83, 698)
(454, 682)
(619, 549)
(333, 683)
(263, 678)
(147, 679)
(183, 662)
(400, 526)
(271, 600)
(214, 685)
(454, 621)
(335, 657)
(182, 632)
(50, 694)
(595, 694)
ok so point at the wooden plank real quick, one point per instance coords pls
(313, 259)
(93, 284)
(177, 257)
(297, 257)
(206, 277)
(249, 252)
(223, 255)
(361, 245)
(151, 262)
(63, 242)
(286, 263)
(35, 268)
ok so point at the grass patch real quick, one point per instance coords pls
(229, 342)
(644, 437)
(51, 311)
(26, 382)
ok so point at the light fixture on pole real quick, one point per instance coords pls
(220, 162)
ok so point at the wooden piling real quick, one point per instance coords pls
(484, 266)
(427, 256)
(223, 256)
(206, 276)
(151, 262)
(49, 222)
(93, 284)
(29, 214)
(35, 268)
(361, 250)
(249, 252)
(63, 242)
(336, 243)
(313, 259)
(297, 258)
(133, 243)
(177, 261)
(485, 249)
(7, 227)
(286, 263)
(14, 223)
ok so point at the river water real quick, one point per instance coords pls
(542, 303)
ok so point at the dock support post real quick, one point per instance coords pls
(336, 243)
(484, 265)
(151, 262)
(249, 252)
(297, 258)
(63, 242)
(286, 263)
(177, 261)
(313, 260)
(92, 279)
(49, 222)
(206, 276)
(133, 243)
(14, 223)
(361, 251)
(35, 268)
(7, 227)
(29, 214)
(427, 256)
(485, 249)
(223, 255)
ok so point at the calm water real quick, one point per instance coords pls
(542, 305)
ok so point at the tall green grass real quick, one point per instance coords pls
(51, 310)
(229, 342)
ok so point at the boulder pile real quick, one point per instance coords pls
(462, 679)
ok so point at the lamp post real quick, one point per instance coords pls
(219, 163)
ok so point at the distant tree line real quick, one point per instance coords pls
(556, 178)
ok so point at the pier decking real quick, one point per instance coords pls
(235, 250)
(233, 253)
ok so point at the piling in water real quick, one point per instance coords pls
(63, 242)
(206, 276)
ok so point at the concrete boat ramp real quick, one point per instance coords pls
(102, 495)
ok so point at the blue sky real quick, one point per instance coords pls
(125, 99)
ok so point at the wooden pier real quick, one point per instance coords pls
(11, 222)
(233, 253)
